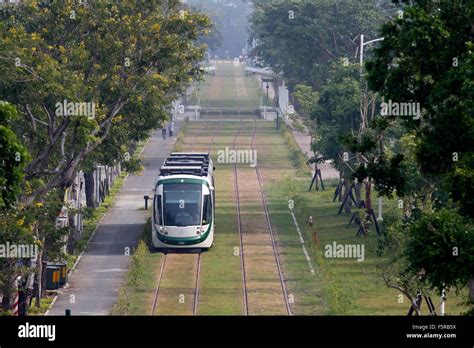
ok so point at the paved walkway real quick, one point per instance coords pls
(94, 284)
(304, 142)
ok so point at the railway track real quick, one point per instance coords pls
(176, 292)
(197, 259)
(196, 290)
(193, 141)
(249, 249)
(272, 235)
(196, 287)
(197, 262)
(268, 224)
(269, 228)
(155, 297)
(239, 225)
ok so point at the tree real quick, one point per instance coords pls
(310, 42)
(306, 100)
(444, 236)
(426, 58)
(13, 158)
(115, 66)
(213, 38)
(101, 53)
(228, 33)
(337, 115)
(302, 38)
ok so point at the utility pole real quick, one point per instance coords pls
(361, 48)
(361, 63)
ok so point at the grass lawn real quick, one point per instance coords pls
(349, 287)
(344, 286)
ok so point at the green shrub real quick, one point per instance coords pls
(135, 273)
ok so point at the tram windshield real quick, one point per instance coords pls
(182, 204)
(207, 210)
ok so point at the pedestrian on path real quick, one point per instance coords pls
(163, 130)
(171, 128)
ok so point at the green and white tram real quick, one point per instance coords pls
(183, 205)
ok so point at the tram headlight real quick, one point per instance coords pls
(163, 230)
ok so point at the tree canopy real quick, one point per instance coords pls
(13, 158)
(302, 38)
(128, 59)
(427, 58)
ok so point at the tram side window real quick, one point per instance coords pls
(207, 210)
(158, 219)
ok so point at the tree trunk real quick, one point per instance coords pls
(39, 272)
(71, 235)
(416, 308)
(132, 147)
(368, 192)
(357, 188)
(43, 277)
(471, 289)
(316, 174)
(348, 205)
(6, 302)
(8, 271)
(341, 180)
(108, 175)
(89, 186)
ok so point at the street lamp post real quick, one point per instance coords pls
(362, 44)
(361, 62)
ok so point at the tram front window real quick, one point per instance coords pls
(158, 219)
(207, 210)
(182, 204)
